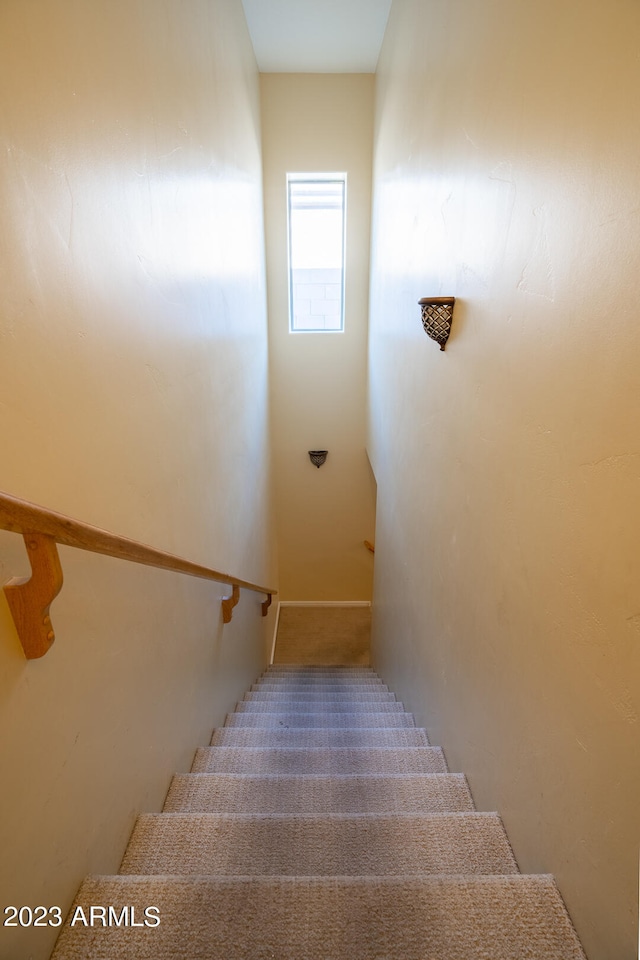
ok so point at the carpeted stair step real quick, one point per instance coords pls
(293, 708)
(300, 687)
(315, 696)
(343, 668)
(388, 719)
(238, 793)
(333, 918)
(324, 674)
(371, 680)
(325, 762)
(372, 683)
(331, 845)
(326, 738)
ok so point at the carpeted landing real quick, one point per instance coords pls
(320, 825)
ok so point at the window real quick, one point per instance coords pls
(317, 214)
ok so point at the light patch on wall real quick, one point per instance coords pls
(423, 245)
(441, 221)
(182, 237)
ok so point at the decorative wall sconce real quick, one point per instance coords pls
(318, 457)
(437, 314)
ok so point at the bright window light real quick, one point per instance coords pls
(317, 205)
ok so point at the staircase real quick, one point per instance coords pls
(319, 825)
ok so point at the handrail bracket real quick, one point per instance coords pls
(228, 603)
(29, 598)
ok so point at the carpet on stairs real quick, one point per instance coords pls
(320, 824)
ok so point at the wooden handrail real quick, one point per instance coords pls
(29, 598)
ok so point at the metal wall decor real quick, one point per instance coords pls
(437, 314)
(318, 457)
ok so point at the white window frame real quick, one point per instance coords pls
(316, 178)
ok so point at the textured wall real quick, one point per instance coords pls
(133, 395)
(320, 123)
(506, 602)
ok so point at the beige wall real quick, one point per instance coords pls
(133, 395)
(506, 600)
(316, 123)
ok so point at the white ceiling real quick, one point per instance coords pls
(317, 36)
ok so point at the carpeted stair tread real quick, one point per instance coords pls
(327, 738)
(333, 918)
(326, 762)
(310, 669)
(329, 845)
(372, 682)
(293, 707)
(337, 686)
(320, 686)
(322, 674)
(320, 719)
(322, 678)
(304, 675)
(315, 696)
(301, 795)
